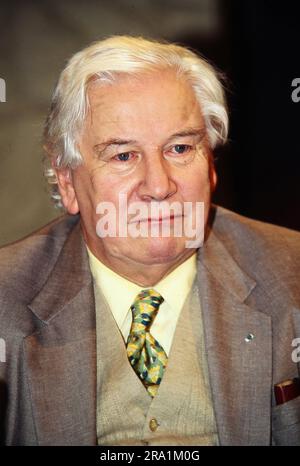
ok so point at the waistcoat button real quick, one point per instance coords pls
(153, 424)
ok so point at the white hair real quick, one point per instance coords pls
(102, 62)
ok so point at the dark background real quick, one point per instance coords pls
(255, 43)
(262, 162)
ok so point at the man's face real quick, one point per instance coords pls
(143, 138)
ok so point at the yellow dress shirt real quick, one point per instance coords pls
(120, 294)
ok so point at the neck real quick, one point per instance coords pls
(142, 274)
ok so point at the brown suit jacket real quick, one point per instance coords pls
(248, 276)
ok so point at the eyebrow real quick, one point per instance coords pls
(122, 142)
(113, 142)
(188, 132)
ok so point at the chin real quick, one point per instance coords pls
(161, 250)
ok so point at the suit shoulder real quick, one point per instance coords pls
(25, 264)
(268, 253)
(255, 234)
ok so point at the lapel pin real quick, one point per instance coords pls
(249, 337)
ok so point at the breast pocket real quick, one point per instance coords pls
(286, 423)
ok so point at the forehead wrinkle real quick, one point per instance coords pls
(151, 125)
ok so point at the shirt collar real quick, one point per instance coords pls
(120, 292)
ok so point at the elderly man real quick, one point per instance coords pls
(146, 316)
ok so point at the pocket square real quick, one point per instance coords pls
(287, 390)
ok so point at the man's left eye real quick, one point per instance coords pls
(181, 148)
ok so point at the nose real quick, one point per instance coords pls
(157, 183)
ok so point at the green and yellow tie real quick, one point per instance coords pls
(145, 354)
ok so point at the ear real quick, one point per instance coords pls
(66, 189)
(213, 177)
(212, 174)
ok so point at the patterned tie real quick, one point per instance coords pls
(145, 354)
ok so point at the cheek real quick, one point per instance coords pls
(114, 188)
(195, 186)
(85, 192)
(91, 188)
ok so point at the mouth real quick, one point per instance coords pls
(160, 219)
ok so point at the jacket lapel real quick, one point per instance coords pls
(240, 368)
(61, 355)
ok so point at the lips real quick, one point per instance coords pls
(156, 220)
(161, 219)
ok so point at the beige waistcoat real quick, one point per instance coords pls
(181, 413)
